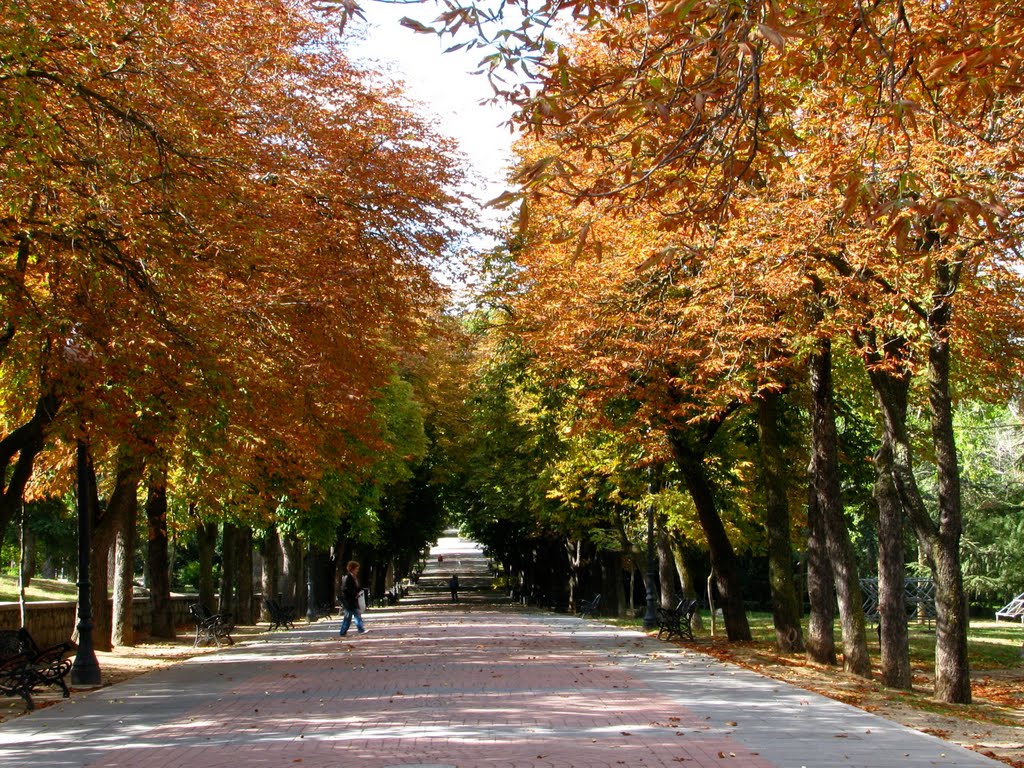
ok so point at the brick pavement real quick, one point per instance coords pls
(461, 685)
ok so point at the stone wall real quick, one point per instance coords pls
(52, 622)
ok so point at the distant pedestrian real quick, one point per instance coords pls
(350, 590)
(453, 585)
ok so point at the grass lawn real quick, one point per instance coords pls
(39, 589)
(990, 644)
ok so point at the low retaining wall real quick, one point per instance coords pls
(52, 622)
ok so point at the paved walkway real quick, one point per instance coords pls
(468, 684)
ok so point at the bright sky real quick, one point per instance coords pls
(444, 85)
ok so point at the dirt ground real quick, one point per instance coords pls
(992, 725)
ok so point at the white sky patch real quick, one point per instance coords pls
(450, 96)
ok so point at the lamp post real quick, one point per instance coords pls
(86, 669)
(650, 615)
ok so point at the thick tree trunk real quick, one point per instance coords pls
(682, 569)
(785, 603)
(821, 636)
(686, 578)
(291, 572)
(612, 585)
(206, 535)
(689, 450)
(666, 568)
(826, 482)
(270, 581)
(228, 569)
(158, 571)
(940, 541)
(894, 637)
(635, 558)
(124, 576)
(99, 558)
(243, 604)
(952, 669)
(890, 380)
(106, 523)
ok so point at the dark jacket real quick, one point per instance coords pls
(350, 592)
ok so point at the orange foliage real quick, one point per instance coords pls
(693, 174)
(213, 220)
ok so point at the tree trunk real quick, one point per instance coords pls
(291, 571)
(689, 448)
(821, 638)
(158, 573)
(270, 580)
(243, 554)
(826, 482)
(106, 524)
(573, 554)
(28, 555)
(124, 575)
(206, 535)
(686, 579)
(228, 569)
(612, 586)
(666, 568)
(630, 557)
(26, 442)
(940, 541)
(894, 638)
(952, 668)
(785, 603)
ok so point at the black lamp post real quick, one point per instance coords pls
(650, 615)
(86, 669)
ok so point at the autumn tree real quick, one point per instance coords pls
(700, 100)
(220, 235)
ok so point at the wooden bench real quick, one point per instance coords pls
(675, 622)
(24, 666)
(210, 626)
(280, 615)
(589, 607)
(15, 673)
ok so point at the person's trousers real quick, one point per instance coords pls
(346, 622)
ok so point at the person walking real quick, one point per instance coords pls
(350, 599)
(453, 585)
